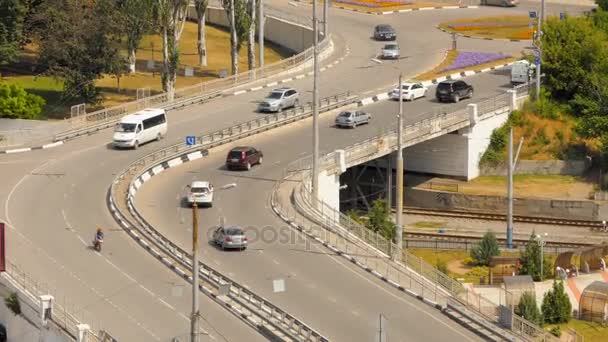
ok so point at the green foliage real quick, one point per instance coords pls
(528, 309)
(487, 248)
(354, 215)
(540, 138)
(12, 302)
(602, 4)
(136, 17)
(546, 107)
(442, 266)
(242, 19)
(556, 331)
(16, 103)
(12, 17)
(556, 305)
(531, 258)
(469, 261)
(379, 220)
(498, 142)
(479, 272)
(78, 43)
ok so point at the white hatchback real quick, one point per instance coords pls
(411, 91)
(200, 193)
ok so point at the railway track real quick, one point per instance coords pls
(501, 217)
(431, 236)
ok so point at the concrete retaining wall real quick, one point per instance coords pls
(291, 36)
(582, 210)
(540, 167)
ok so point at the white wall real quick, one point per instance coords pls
(329, 189)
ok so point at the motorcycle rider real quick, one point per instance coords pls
(98, 236)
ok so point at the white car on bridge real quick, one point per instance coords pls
(411, 91)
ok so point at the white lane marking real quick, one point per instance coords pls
(171, 307)
(10, 194)
(276, 262)
(146, 289)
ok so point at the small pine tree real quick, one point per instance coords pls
(379, 220)
(530, 259)
(556, 305)
(528, 309)
(487, 248)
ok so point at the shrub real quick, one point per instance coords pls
(469, 261)
(12, 302)
(541, 138)
(556, 331)
(556, 304)
(560, 137)
(16, 103)
(487, 248)
(528, 309)
(442, 266)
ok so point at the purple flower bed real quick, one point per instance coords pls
(467, 59)
(365, 4)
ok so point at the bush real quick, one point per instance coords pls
(556, 331)
(541, 138)
(469, 261)
(487, 248)
(556, 305)
(442, 266)
(528, 309)
(498, 142)
(12, 302)
(16, 103)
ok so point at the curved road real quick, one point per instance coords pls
(53, 199)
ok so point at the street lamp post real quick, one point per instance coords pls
(399, 194)
(315, 105)
(261, 34)
(541, 243)
(194, 319)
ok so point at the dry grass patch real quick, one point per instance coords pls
(496, 27)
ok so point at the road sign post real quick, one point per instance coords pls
(190, 140)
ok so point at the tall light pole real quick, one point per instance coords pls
(541, 243)
(399, 194)
(194, 318)
(261, 33)
(325, 15)
(510, 171)
(315, 105)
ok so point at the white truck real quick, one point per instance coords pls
(521, 72)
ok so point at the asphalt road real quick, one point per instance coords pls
(53, 200)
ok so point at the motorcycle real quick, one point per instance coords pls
(97, 244)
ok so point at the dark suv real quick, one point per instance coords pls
(384, 32)
(453, 90)
(243, 157)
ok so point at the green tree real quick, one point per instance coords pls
(170, 16)
(78, 43)
(487, 248)
(136, 18)
(12, 17)
(531, 258)
(528, 309)
(602, 4)
(16, 103)
(556, 305)
(238, 30)
(379, 220)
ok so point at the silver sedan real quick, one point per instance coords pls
(352, 118)
(230, 237)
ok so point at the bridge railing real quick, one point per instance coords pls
(377, 250)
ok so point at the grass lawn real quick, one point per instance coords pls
(218, 50)
(505, 27)
(429, 224)
(449, 59)
(554, 186)
(592, 332)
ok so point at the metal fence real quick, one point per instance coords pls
(65, 315)
(467, 245)
(376, 251)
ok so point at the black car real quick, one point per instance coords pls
(384, 32)
(243, 157)
(453, 90)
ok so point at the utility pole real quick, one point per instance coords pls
(389, 182)
(194, 319)
(315, 105)
(539, 48)
(261, 33)
(510, 192)
(325, 15)
(233, 29)
(399, 192)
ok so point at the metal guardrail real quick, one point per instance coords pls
(60, 316)
(104, 118)
(122, 190)
(335, 221)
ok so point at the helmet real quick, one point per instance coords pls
(98, 229)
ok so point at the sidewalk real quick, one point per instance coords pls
(16, 133)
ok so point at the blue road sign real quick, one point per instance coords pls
(562, 15)
(537, 60)
(190, 140)
(532, 14)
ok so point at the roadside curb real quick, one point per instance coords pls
(291, 79)
(28, 149)
(482, 38)
(393, 11)
(385, 95)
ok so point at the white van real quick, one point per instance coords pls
(141, 127)
(521, 72)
